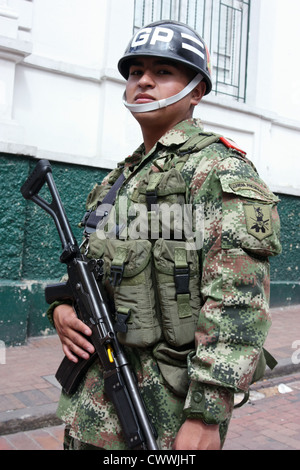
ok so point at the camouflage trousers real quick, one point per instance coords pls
(91, 421)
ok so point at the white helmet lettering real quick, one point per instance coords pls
(162, 34)
(141, 37)
(158, 34)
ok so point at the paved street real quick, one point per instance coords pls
(271, 420)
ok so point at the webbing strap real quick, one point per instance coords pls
(196, 143)
(97, 215)
(151, 191)
(270, 360)
(181, 275)
(199, 141)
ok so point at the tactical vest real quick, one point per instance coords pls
(155, 282)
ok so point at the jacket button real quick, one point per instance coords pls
(197, 397)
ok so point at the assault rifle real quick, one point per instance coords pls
(85, 289)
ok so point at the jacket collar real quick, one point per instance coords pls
(177, 136)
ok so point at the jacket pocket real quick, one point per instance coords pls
(128, 266)
(177, 274)
(164, 194)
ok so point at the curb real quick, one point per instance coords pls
(27, 419)
(284, 367)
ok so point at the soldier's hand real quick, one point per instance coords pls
(70, 331)
(196, 435)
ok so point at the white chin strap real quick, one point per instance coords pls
(146, 107)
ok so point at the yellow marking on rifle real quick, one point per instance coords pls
(110, 354)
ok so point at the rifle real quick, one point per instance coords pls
(85, 289)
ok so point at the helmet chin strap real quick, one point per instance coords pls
(146, 107)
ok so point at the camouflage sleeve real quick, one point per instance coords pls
(241, 230)
(52, 307)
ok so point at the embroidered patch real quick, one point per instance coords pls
(258, 220)
(247, 186)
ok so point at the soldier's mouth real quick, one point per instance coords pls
(143, 98)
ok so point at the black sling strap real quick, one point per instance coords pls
(92, 219)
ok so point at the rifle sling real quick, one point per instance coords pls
(91, 219)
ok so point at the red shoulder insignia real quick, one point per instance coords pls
(231, 145)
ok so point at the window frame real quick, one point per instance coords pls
(224, 26)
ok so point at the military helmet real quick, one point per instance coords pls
(173, 40)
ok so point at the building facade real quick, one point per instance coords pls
(61, 99)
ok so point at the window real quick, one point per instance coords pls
(223, 24)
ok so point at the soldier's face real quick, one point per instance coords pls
(152, 79)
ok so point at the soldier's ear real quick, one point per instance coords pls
(198, 93)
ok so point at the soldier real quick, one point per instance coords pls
(189, 267)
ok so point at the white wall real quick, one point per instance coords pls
(61, 93)
(286, 65)
(70, 31)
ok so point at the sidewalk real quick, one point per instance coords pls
(29, 391)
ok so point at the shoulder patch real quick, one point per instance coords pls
(258, 220)
(231, 145)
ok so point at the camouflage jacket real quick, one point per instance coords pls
(232, 230)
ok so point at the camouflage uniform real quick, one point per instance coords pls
(240, 230)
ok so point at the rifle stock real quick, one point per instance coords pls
(86, 291)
